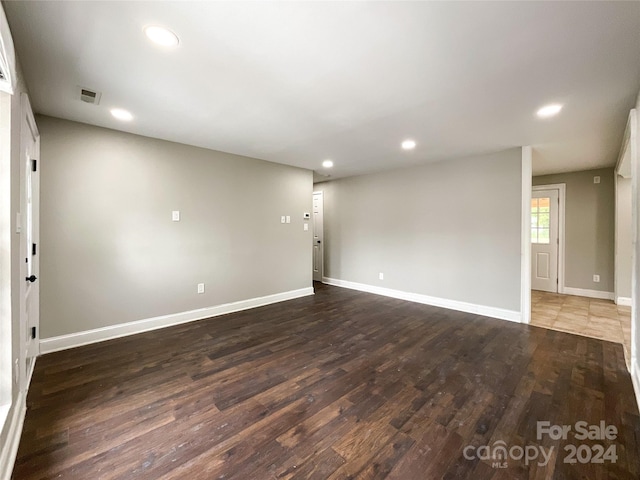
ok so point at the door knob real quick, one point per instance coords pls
(31, 279)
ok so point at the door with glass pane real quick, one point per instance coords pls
(544, 240)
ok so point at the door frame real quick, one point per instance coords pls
(321, 193)
(28, 120)
(562, 190)
(526, 179)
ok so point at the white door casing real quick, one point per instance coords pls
(318, 236)
(544, 239)
(29, 234)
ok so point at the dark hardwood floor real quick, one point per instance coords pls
(339, 385)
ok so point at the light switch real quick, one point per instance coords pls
(306, 227)
(175, 216)
(596, 179)
(288, 218)
(283, 219)
(201, 288)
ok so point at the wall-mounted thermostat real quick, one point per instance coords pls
(306, 216)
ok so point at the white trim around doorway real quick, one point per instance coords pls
(525, 235)
(562, 192)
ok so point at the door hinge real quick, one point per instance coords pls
(33, 332)
(34, 165)
(33, 249)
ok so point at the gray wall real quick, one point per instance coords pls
(589, 227)
(110, 252)
(449, 230)
(623, 237)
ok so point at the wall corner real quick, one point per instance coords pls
(525, 252)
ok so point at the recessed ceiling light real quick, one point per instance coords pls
(327, 163)
(408, 145)
(161, 36)
(549, 110)
(121, 114)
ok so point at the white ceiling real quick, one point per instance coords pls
(299, 82)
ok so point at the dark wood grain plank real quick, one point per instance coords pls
(339, 385)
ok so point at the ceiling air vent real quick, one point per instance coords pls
(89, 96)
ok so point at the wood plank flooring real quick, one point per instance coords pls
(591, 317)
(339, 385)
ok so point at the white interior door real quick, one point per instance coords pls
(544, 240)
(30, 232)
(318, 237)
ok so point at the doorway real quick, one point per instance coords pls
(547, 238)
(318, 236)
(29, 233)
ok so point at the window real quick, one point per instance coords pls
(540, 220)
(7, 81)
(5, 257)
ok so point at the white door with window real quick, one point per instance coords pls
(29, 232)
(318, 234)
(544, 240)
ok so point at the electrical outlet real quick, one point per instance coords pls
(596, 179)
(381, 276)
(201, 288)
(288, 218)
(306, 227)
(175, 216)
(283, 219)
(596, 278)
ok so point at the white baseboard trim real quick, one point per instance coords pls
(31, 367)
(623, 301)
(494, 312)
(63, 342)
(635, 378)
(14, 432)
(583, 292)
